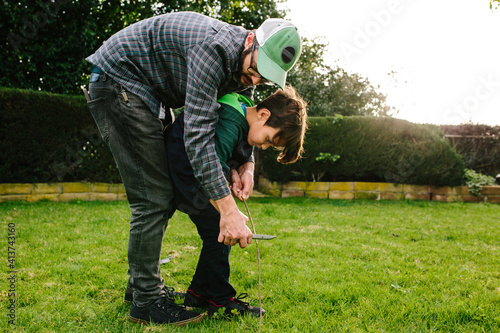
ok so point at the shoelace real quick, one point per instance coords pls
(170, 291)
(169, 294)
(168, 303)
(239, 299)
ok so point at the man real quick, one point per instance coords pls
(178, 59)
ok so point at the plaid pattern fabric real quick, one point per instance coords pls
(180, 59)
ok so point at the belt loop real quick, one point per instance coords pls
(104, 77)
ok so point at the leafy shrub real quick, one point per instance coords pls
(325, 158)
(371, 149)
(50, 138)
(475, 181)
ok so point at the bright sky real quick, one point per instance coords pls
(446, 53)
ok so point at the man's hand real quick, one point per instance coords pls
(233, 223)
(242, 181)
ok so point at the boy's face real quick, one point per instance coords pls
(260, 135)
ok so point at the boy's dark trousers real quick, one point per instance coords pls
(211, 278)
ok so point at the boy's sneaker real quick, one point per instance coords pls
(164, 311)
(235, 307)
(169, 291)
(193, 300)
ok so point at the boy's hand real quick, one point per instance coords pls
(242, 181)
(236, 185)
(233, 223)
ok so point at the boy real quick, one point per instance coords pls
(278, 121)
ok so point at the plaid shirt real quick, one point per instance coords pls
(180, 59)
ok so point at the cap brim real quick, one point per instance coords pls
(270, 70)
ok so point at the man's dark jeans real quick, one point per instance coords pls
(211, 278)
(135, 138)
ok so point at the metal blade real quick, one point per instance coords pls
(166, 260)
(259, 236)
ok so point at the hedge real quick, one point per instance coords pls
(48, 138)
(371, 149)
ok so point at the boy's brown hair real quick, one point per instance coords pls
(289, 115)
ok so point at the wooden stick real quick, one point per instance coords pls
(258, 258)
(258, 263)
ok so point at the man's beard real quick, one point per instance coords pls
(239, 74)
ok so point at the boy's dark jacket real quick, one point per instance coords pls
(231, 133)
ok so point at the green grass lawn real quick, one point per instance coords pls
(336, 266)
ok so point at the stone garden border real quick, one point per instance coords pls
(327, 190)
(62, 192)
(377, 191)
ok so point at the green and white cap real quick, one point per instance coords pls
(279, 49)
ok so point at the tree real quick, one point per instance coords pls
(248, 14)
(329, 91)
(45, 45)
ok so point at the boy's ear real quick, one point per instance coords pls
(263, 114)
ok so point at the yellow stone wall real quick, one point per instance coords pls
(325, 190)
(62, 192)
(376, 191)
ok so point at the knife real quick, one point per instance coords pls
(259, 236)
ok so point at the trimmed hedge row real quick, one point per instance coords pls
(50, 138)
(371, 149)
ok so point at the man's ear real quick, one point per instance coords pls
(249, 40)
